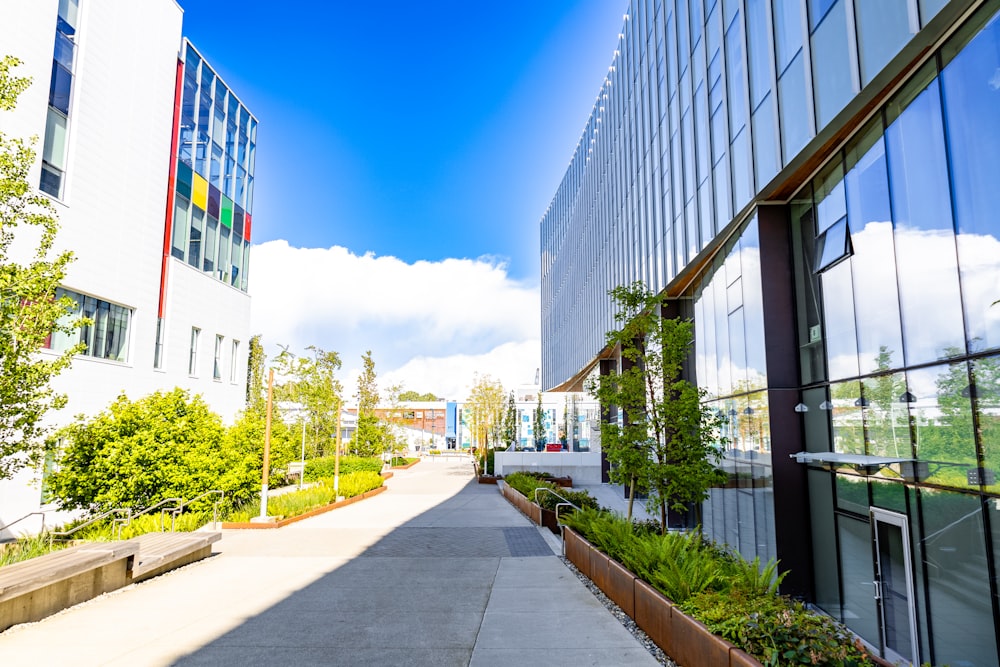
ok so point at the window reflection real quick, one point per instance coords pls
(924, 238)
(941, 413)
(971, 91)
(846, 417)
(986, 390)
(883, 29)
(832, 84)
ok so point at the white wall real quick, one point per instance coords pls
(583, 467)
(114, 205)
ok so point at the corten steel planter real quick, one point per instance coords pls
(577, 550)
(621, 587)
(229, 525)
(693, 644)
(488, 479)
(685, 640)
(653, 614)
(549, 520)
(740, 658)
(599, 568)
(527, 508)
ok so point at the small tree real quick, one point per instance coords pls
(29, 310)
(510, 421)
(485, 408)
(256, 390)
(370, 434)
(538, 424)
(311, 383)
(668, 442)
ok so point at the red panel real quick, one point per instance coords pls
(171, 187)
(246, 228)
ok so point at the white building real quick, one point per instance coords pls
(149, 159)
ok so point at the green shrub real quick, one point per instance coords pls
(292, 504)
(776, 630)
(526, 483)
(27, 547)
(324, 467)
(403, 461)
(734, 598)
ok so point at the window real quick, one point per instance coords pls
(106, 337)
(217, 360)
(158, 347)
(60, 90)
(833, 245)
(234, 361)
(193, 354)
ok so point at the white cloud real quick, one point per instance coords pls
(429, 325)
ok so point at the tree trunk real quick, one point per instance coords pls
(631, 497)
(663, 515)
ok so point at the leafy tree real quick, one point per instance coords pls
(485, 409)
(256, 389)
(411, 395)
(510, 421)
(367, 386)
(165, 445)
(370, 434)
(310, 382)
(29, 311)
(668, 441)
(538, 424)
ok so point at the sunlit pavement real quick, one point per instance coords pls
(438, 570)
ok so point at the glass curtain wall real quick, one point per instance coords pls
(704, 104)
(215, 167)
(897, 255)
(730, 366)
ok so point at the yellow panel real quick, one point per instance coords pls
(199, 192)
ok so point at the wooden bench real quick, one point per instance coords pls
(39, 587)
(162, 552)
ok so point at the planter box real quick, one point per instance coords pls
(685, 640)
(488, 479)
(691, 643)
(549, 520)
(577, 550)
(407, 466)
(621, 587)
(228, 525)
(526, 507)
(653, 614)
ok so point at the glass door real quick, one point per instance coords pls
(894, 587)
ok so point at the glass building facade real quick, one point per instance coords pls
(814, 184)
(213, 198)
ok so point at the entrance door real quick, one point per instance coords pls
(894, 586)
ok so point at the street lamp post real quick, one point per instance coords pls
(336, 456)
(267, 450)
(302, 470)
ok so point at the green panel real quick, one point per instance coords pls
(226, 215)
(184, 180)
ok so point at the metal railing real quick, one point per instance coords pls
(116, 523)
(174, 513)
(564, 503)
(158, 505)
(29, 514)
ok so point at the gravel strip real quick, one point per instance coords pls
(622, 617)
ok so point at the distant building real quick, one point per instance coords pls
(814, 183)
(148, 157)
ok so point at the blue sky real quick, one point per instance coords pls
(416, 134)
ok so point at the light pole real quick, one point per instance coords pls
(267, 450)
(336, 455)
(302, 470)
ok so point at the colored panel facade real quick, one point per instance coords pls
(217, 146)
(812, 183)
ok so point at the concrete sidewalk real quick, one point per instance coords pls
(437, 571)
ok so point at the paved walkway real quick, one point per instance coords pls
(437, 571)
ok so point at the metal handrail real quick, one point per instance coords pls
(29, 514)
(117, 521)
(174, 513)
(153, 507)
(564, 503)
